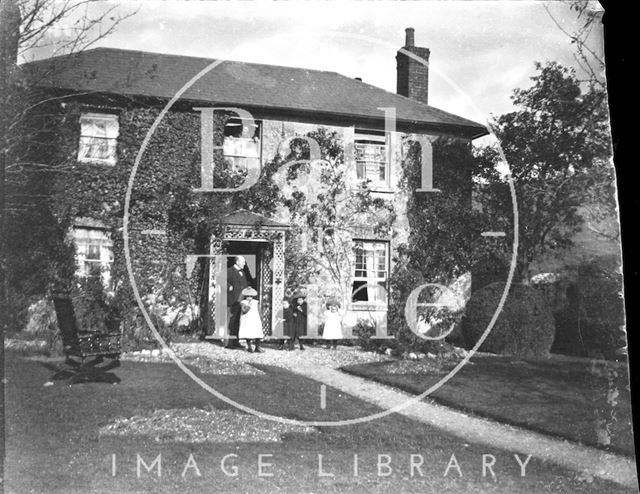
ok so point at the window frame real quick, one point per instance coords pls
(83, 242)
(231, 158)
(383, 281)
(84, 140)
(379, 138)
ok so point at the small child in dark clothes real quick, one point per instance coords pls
(298, 326)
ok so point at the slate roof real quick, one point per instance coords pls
(271, 87)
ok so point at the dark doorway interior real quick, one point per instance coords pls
(252, 252)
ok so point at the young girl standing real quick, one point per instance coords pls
(250, 323)
(332, 323)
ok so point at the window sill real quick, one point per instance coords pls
(365, 307)
(97, 162)
(384, 189)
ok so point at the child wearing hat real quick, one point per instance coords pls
(250, 323)
(332, 322)
(298, 321)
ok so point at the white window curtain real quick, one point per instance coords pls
(370, 274)
(94, 253)
(98, 138)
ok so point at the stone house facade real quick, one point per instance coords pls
(106, 87)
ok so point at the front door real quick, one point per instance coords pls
(258, 255)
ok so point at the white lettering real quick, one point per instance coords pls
(386, 464)
(453, 463)
(488, 465)
(141, 463)
(416, 465)
(321, 472)
(233, 471)
(523, 466)
(191, 463)
(262, 465)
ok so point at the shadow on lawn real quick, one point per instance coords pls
(586, 402)
(53, 439)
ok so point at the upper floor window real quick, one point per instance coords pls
(242, 144)
(98, 138)
(94, 253)
(371, 272)
(372, 157)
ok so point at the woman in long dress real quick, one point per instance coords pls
(250, 323)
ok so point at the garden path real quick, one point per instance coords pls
(322, 365)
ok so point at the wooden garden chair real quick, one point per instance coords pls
(85, 351)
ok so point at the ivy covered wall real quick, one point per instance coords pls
(182, 222)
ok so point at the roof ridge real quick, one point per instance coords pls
(314, 90)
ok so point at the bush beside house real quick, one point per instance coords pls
(525, 326)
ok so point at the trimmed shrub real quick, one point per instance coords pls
(491, 268)
(525, 327)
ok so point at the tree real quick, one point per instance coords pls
(587, 56)
(326, 214)
(556, 146)
(599, 211)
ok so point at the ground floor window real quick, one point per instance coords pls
(94, 253)
(371, 272)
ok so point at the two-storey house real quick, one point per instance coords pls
(102, 91)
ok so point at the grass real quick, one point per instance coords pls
(53, 445)
(584, 402)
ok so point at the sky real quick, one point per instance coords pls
(480, 50)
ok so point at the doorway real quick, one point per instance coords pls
(258, 270)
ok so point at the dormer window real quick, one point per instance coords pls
(242, 144)
(372, 157)
(98, 138)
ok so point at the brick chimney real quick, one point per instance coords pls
(413, 75)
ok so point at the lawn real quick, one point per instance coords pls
(55, 440)
(587, 402)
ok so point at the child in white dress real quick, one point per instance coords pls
(332, 323)
(250, 323)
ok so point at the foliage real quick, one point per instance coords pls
(444, 240)
(403, 281)
(35, 253)
(43, 325)
(525, 325)
(327, 214)
(556, 146)
(592, 322)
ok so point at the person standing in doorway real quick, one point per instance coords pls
(236, 282)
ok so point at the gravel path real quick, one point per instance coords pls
(312, 356)
(322, 365)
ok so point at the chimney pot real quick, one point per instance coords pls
(410, 38)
